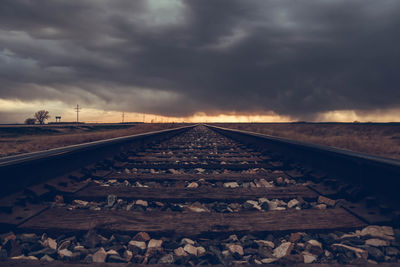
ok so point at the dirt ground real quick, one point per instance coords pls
(381, 139)
(17, 139)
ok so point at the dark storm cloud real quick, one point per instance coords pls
(178, 57)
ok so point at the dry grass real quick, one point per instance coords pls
(372, 138)
(16, 140)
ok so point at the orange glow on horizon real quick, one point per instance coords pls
(93, 115)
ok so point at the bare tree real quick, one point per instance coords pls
(30, 121)
(41, 116)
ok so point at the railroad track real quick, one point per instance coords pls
(196, 198)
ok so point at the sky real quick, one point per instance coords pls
(200, 60)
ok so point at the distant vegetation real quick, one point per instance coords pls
(41, 116)
(381, 139)
(30, 121)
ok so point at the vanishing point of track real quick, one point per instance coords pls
(195, 197)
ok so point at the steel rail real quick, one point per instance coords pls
(27, 169)
(376, 174)
(73, 148)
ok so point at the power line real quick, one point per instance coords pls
(77, 112)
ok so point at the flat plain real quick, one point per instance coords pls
(381, 139)
(18, 139)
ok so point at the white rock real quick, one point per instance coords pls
(235, 248)
(51, 243)
(279, 180)
(23, 257)
(257, 184)
(137, 184)
(139, 244)
(81, 202)
(154, 243)
(159, 204)
(292, 203)
(377, 242)
(197, 208)
(201, 251)
(65, 253)
(200, 170)
(314, 243)
(358, 251)
(166, 259)
(257, 262)
(47, 258)
(187, 241)
(283, 250)
(327, 253)
(180, 252)
(100, 255)
(385, 232)
(142, 203)
(281, 202)
(268, 260)
(265, 243)
(356, 234)
(233, 238)
(320, 206)
(327, 201)
(141, 236)
(193, 185)
(254, 204)
(308, 257)
(265, 183)
(231, 185)
(173, 171)
(225, 253)
(64, 244)
(112, 252)
(190, 249)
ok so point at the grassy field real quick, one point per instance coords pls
(381, 139)
(17, 139)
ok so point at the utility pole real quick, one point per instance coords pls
(144, 118)
(77, 113)
(123, 117)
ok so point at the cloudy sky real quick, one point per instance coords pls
(201, 59)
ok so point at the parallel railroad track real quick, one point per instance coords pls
(196, 198)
